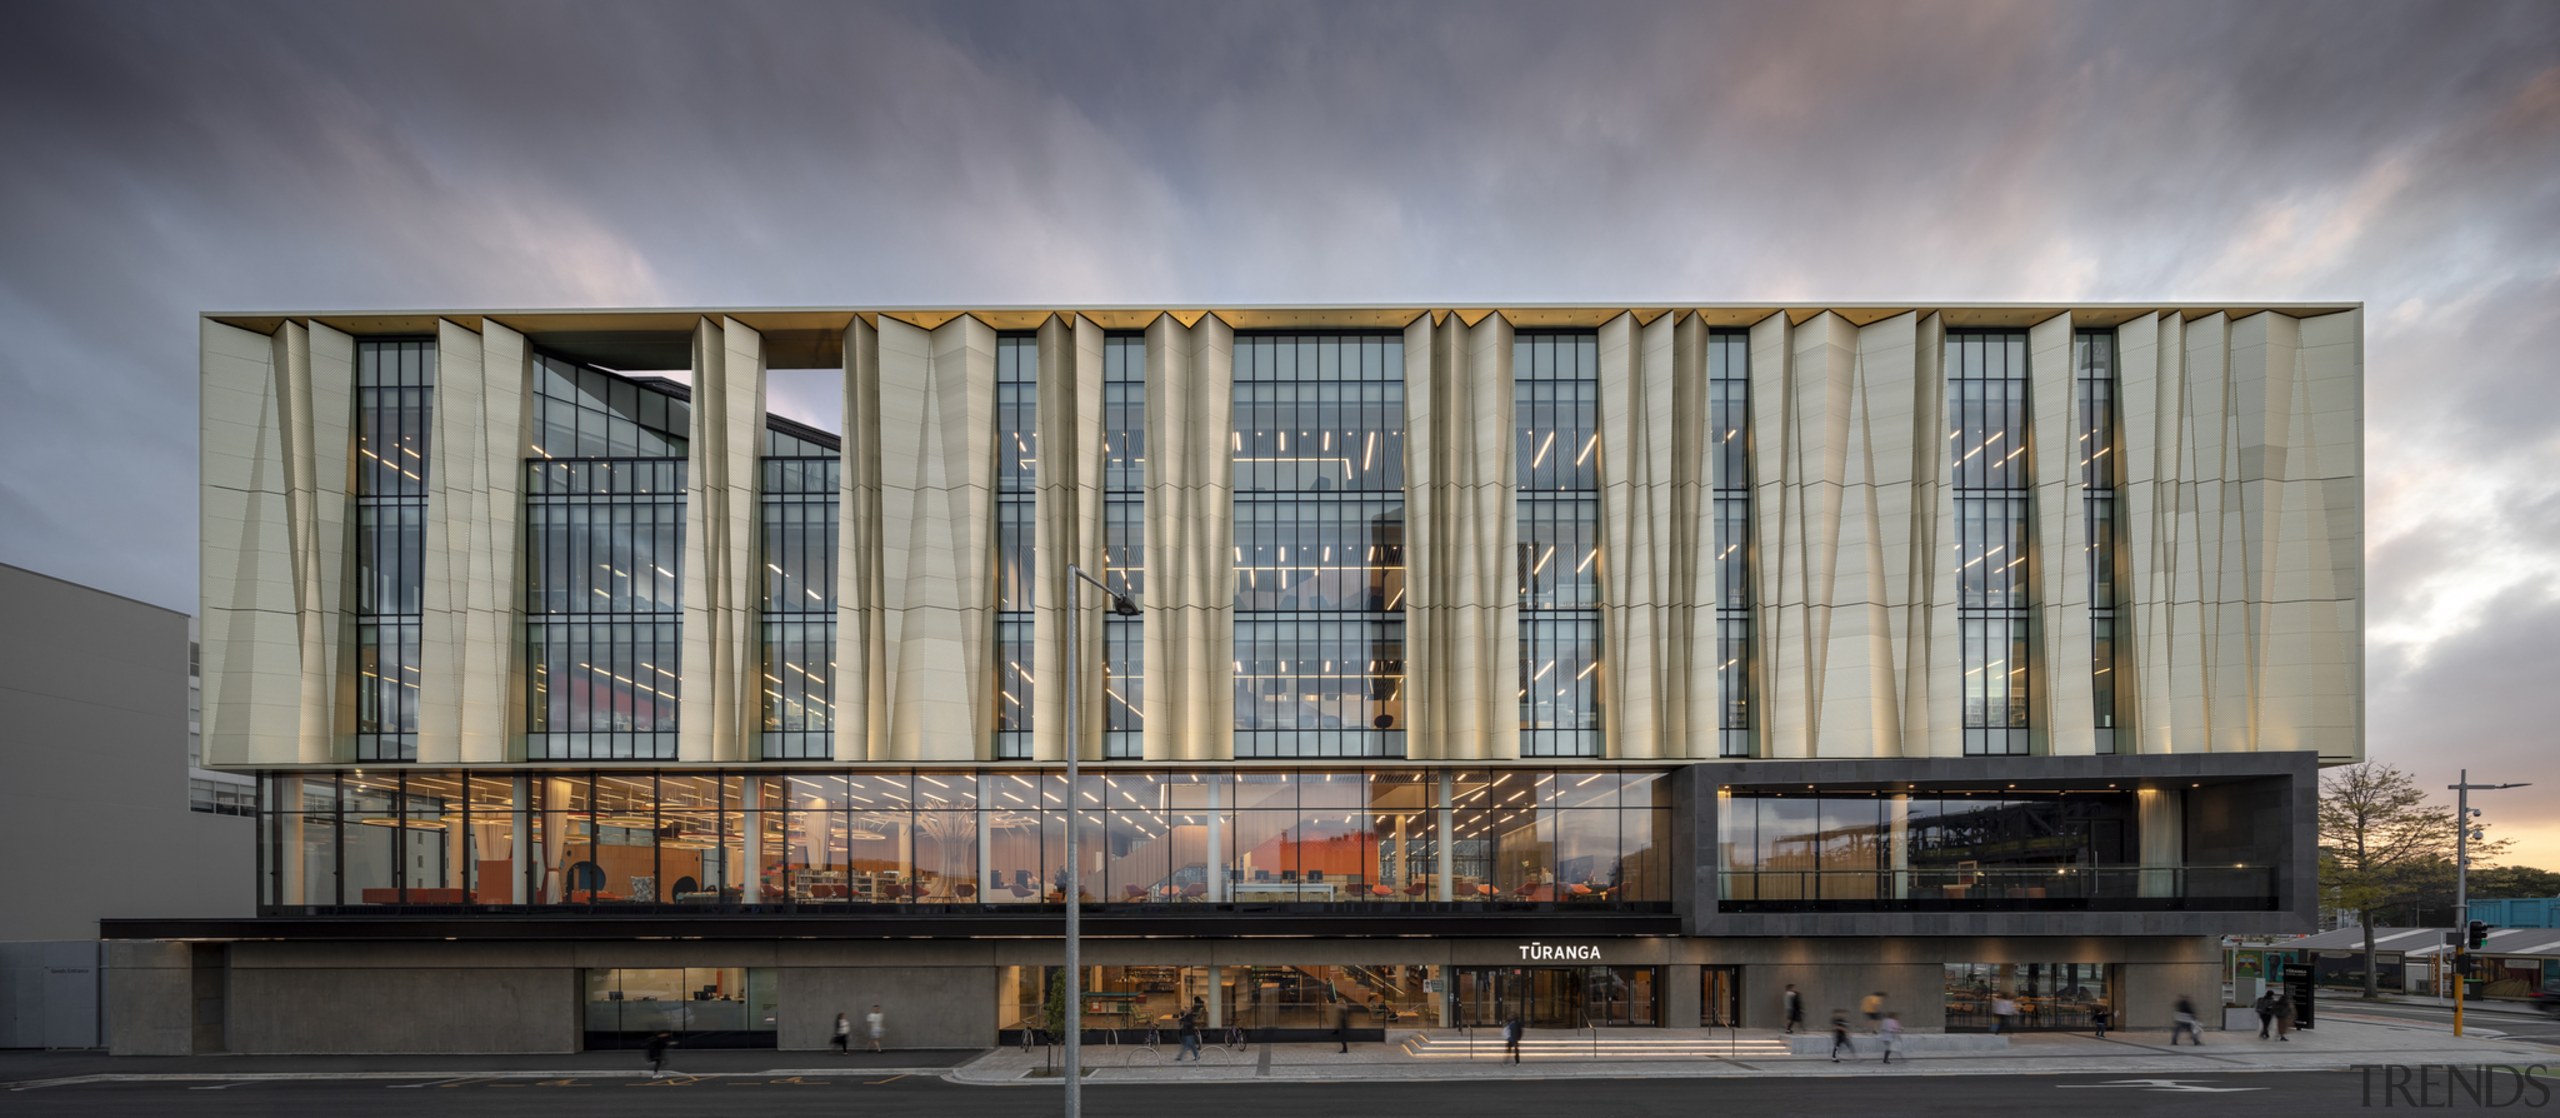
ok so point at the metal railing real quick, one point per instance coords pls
(2058, 888)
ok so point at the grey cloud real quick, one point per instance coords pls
(172, 158)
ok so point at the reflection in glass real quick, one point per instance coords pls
(1017, 480)
(1124, 554)
(604, 555)
(1729, 405)
(395, 392)
(1319, 520)
(1987, 408)
(2094, 357)
(1556, 447)
(798, 503)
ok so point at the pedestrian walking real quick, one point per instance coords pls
(1342, 1025)
(844, 1036)
(1190, 1031)
(658, 1045)
(877, 1024)
(2003, 1011)
(1873, 1007)
(2284, 1017)
(1795, 1008)
(2100, 1017)
(1840, 1035)
(1511, 1037)
(2266, 1006)
(1892, 1034)
(2185, 1023)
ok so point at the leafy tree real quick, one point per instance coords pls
(2381, 844)
(2514, 881)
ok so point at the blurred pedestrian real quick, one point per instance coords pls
(844, 1036)
(1190, 1032)
(877, 1024)
(1840, 1035)
(1511, 1037)
(2266, 1007)
(1873, 1007)
(658, 1046)
(2004, 1011)
(2184, 1023)
(2100, 1017)
(1891, 1034)
(1795, 1008)
(2284, 1016)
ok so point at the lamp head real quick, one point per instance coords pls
(1123, 606)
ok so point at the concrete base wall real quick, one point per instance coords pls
(150, 998)
(311, 1009)
(490, 996)
(923, 1007)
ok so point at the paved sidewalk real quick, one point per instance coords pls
(2332, 1046)
(21, 1067)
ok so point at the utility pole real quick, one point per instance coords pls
(1121, 605)
(2462, 836)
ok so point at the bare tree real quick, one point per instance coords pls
(2378, 834)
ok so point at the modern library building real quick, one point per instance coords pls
(616, 671)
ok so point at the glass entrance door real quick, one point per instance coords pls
(1720, 1002)
(1555, 997)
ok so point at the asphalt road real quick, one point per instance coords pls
(2184, 1097)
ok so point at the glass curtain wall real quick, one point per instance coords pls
(798, 503)
(1729, 402)
(395, 393)
(2094, 357)
(1556, 451)
(1987, 404)
(1489, 839)
(1124, 540)
(1319, 551)
(604, 555)
(1017, 480)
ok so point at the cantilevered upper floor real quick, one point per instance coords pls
(1607, 534)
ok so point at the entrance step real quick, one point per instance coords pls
(1608, 1045)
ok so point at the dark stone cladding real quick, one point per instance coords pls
(2286, 783)
(1191, 922)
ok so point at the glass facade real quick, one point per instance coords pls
(1729, 464)
(1556, 449)
(1124, 540)
(702, 1007)
(2048, 996)
(1017, 482)
(1987, 408)
(395, 394)
(798, 502)
(1958, 849)
(1319, 553)
(604, 562)
(1490, 840)
(2094, 358)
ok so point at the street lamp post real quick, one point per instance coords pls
(1121, 605)
(2462, 814)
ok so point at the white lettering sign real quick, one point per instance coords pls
(1550, 952)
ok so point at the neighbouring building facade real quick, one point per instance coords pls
(603, 672)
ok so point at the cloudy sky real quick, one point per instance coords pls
(165, 160)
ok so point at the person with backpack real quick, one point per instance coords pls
(1511, 1037)
(1840, 1035)
(1189, 1030)
(2184, 1023)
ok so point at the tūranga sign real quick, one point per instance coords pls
(1534, 952)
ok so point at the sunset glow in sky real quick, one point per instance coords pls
(171, 159)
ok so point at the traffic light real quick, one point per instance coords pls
(2478, 937)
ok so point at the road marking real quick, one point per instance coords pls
(221, 1086)
(2177, 1085)
(435, 1083)
(797, 1081)
(891, 1079)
